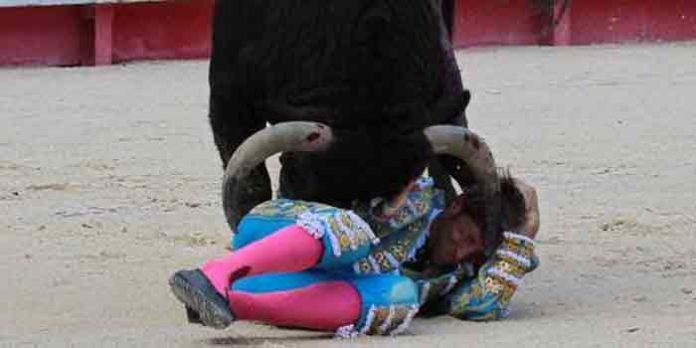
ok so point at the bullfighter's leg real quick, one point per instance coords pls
(204, 290)
(314, 240)
(347, 304)
(290, 249)
(309, 300)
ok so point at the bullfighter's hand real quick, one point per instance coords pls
(531, 216)
(391, 206)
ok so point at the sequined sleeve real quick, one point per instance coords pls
(487, 296)
(403, 233)
(420, 202)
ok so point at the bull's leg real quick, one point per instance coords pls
(232, 88)
(443, 168)
(232, 123)
(442, 180)
(447, 7)
(450, 108)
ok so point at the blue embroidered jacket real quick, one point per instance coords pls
(457, 291)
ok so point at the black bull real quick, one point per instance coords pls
(377, 72)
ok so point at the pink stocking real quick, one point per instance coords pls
(321, 306)
(291, 249)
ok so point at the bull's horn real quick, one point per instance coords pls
(466, 145)
(474, 152)
(282, 137)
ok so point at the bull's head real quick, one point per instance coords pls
(311, 137)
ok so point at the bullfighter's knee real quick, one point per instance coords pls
(389, 302)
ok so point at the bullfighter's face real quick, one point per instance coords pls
(455, 238)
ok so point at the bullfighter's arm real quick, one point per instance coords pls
(487, 296)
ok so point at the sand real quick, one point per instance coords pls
(110, 181)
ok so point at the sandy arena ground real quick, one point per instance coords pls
(110, 182)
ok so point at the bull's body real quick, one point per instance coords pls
(376, 71)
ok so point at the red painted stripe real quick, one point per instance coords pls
(74, 35)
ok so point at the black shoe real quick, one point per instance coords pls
(192, 316)
(203, 302)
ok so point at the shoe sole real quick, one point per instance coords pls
(212, 313)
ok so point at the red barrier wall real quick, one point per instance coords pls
(154, 31)
(495, 22)
(102, 34)
(515, 22)
(616, 21)
(41, 35)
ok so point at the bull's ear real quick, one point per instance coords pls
(466, 95)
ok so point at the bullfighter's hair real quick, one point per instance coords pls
(512, 208)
